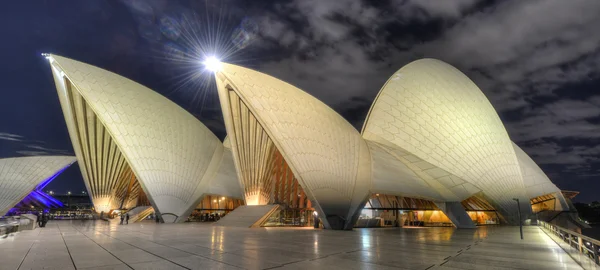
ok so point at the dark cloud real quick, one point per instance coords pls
(10, 137)
(529, 57)
(536, 60)
(560, 119)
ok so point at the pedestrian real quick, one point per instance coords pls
(44, 219)
(127, 219)
(122, 218)
(157, 219)
(39, 219)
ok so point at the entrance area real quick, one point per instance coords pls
(214, 207)
(294, 207)
(546, 202)
(395, 211)
(480, 211)
(484, 217)
(290, 218)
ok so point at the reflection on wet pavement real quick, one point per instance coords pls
(103, 245)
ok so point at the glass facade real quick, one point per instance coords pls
(393, 211)
(484, 217)
(283, 189)
(214, 207)
(290, 218)
(481, 211)
(543, 203)
(427, 218)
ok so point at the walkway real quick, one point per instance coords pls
(100, 245)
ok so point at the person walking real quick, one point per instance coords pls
(127, 219)
(157, 219)
(39, 219)
(122, 218)
(44, 219)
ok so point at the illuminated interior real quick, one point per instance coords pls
(481, 211)
(484, 217)
(295, 208)
(546, 202)
(393, 211)
(213, 207)
(290, 217)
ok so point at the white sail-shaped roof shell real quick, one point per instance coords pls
(20, 175)
(326, 153)
(173, 155)
(438, 114)
(536, 181)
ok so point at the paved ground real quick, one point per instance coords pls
(100, 245)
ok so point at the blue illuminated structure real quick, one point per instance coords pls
(40, 199)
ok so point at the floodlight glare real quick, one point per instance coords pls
(212, 63)
(48, 56)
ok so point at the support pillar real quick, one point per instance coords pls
(457, 214)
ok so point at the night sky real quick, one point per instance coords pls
(537, 62)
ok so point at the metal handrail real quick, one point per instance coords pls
(584, 244)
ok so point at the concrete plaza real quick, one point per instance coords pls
(145, 245)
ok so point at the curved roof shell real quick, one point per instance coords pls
(327, 155)
(535, 180)
(171, 153)
(436, 113)
(20, 175)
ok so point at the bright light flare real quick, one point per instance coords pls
(213, 64)
(48, 56)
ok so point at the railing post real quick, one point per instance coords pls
(595, 249)
(568, 236)
(562, 236)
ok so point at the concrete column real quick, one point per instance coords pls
(457, 214)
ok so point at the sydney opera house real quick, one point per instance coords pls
(432, 152)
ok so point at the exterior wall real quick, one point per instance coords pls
(536, 181)
(173, 155)
(19, 176)
(435, 112)
(392, 159)
(325, 153)
(392, 177)
(226, 181)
